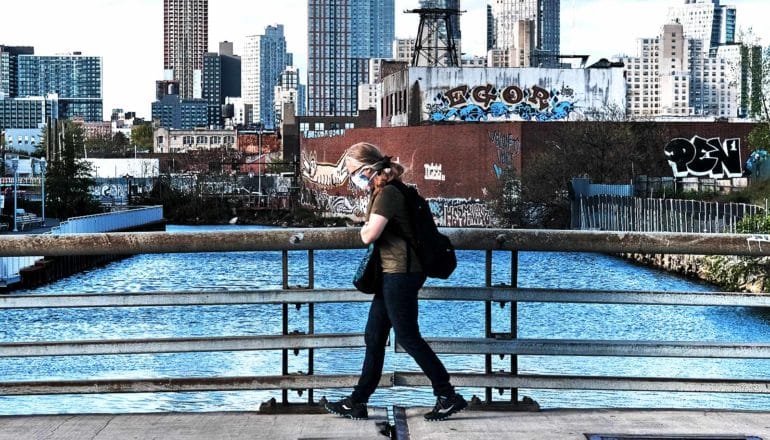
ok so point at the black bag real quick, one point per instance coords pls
(434, 249)
(368, 276)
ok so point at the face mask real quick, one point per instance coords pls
(361, 181)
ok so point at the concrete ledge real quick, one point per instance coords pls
(543, 425)
(574, 424)
(191, 426)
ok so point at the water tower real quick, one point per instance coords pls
(435, 45)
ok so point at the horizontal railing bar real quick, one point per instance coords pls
(126, 243)
(179, 345)
(592, 383)
(301, 296)
(152, 299)
(568, 347)
(187, 384)
(508, 294)
(387, 380)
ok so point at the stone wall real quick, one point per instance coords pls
(730, 273)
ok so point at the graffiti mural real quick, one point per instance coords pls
(489, 103)
(325, 175)
(508, 147)
(460, 213)
(704, 157)
(756, 158)
(433, 172)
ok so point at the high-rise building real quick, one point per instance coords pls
(173, 111)
(490, 28)
(403, 49)
(544, 16)
(342, 36)
(9, 68)
(28, 113)
(264, 59)
(76, 78)
(212, 87)
(289, 90)
(231, 70)
(705, 20)
(185, 40)
(221, 79)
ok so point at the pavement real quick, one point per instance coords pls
(543, 425)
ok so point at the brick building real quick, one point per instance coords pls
(456, 165)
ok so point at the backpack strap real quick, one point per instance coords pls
(401, 186)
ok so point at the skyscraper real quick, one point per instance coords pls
(707, 21)
(9, 67)
(185, 40)
(264, 59)
(221, 79)
(544, 16)
(212, 87)
(76, 78)
(342, 36)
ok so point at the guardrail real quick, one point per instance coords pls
(110, 221)
(488, 345)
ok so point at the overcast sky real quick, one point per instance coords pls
(128, 34)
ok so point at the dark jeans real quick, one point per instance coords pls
(396, 307)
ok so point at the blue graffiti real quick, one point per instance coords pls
(470, 105)
(754, 160)
(473, 113)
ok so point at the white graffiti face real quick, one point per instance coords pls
(433, 172)
(704, 157)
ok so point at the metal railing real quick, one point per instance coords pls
(110, 221)
(490, 344)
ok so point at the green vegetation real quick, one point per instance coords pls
(142, 136)
(613, 151)
(193, 208)
(68, 179)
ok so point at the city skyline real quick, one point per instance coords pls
(129, 38)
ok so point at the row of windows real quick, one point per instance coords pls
(211, 140)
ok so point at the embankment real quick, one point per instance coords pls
(730, 273)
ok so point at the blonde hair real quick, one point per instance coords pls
(364, 154)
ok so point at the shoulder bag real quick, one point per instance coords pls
(368, 276)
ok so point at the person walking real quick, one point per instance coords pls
(395, 305)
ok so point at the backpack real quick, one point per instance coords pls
(434, 249)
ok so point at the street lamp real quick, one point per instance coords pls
(128, 187)
(260, 127)
(15, 168)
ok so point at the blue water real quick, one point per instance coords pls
(250, 270)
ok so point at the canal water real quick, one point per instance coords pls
(251, 270)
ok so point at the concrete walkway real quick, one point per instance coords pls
(544, 425)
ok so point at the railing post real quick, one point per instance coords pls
(514, 321)
(311, 319)
(285, 324)
(488, 324)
